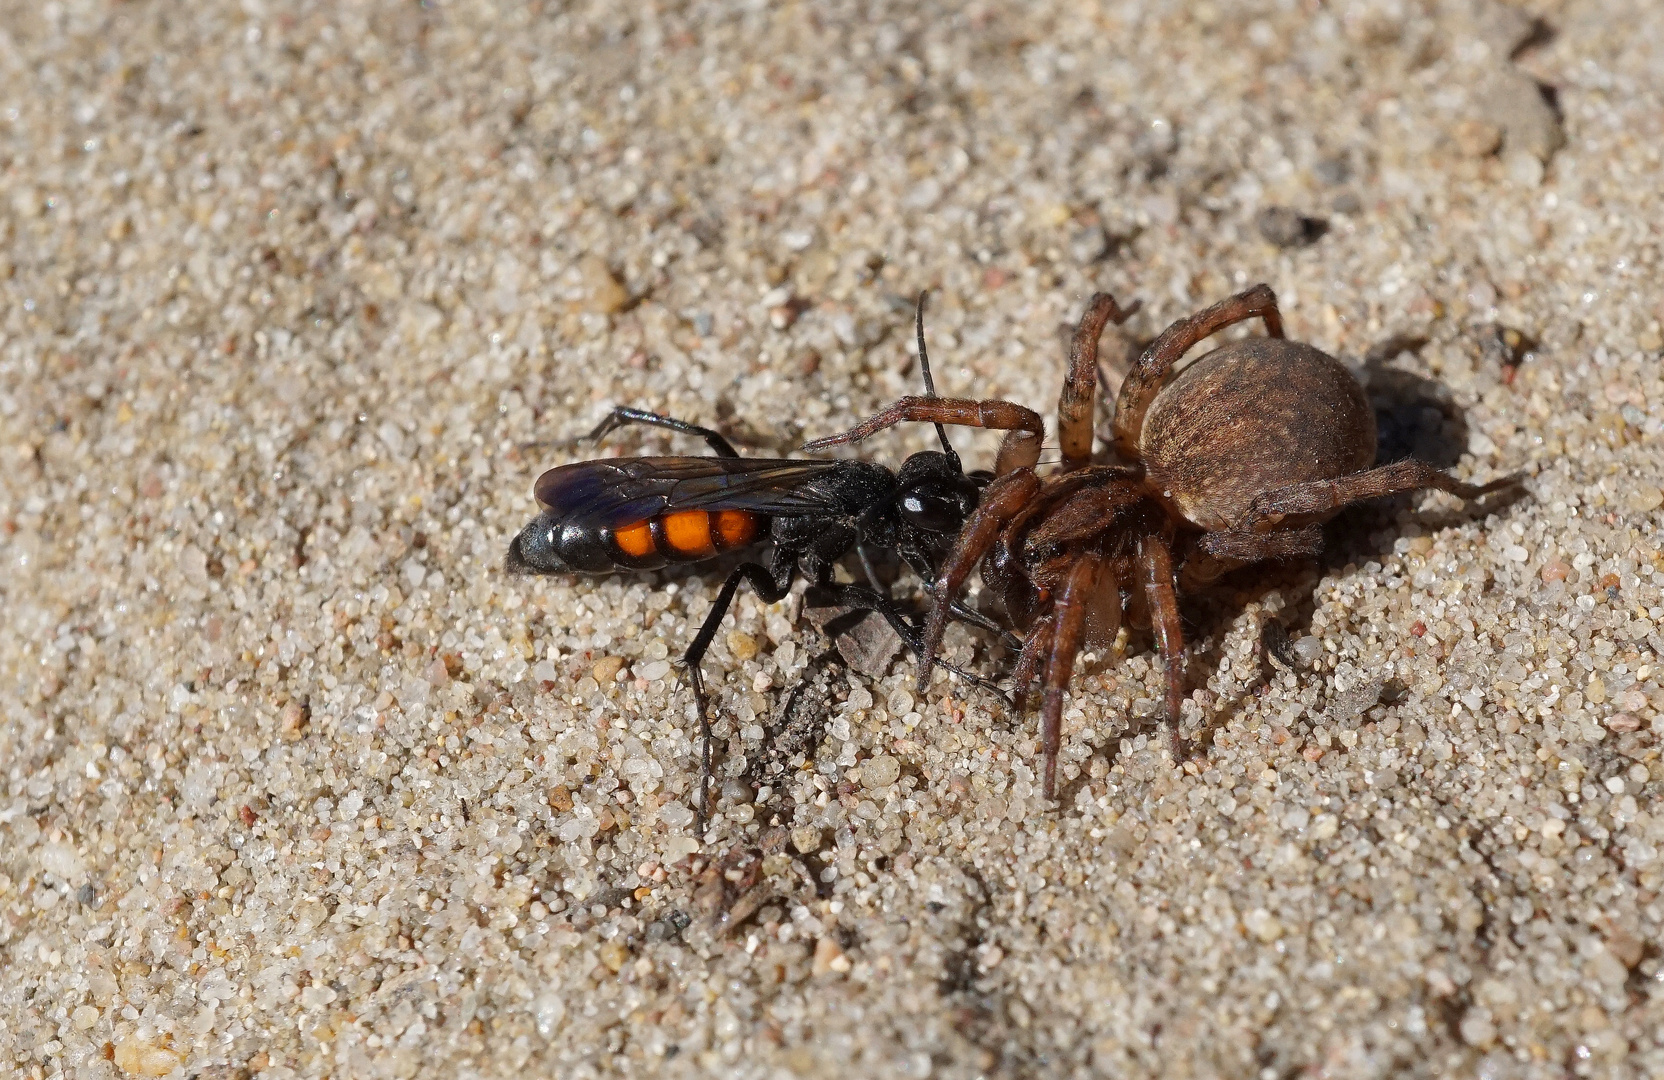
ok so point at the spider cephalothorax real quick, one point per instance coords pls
(1237, 459)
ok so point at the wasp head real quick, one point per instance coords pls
(934, 495)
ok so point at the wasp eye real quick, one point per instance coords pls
(933, 512)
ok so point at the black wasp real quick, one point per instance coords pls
(624, 514)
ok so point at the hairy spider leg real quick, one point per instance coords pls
(1085, 513)
(1145, 379)
(1326, 496)
(1035, 650)
(1155, 564)
(1068, 630)
(1080, 385)
(1053, 489)
(927, 574)
(1023, 427)
(1215, 554)
(1004, 497)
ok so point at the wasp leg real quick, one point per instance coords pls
(860, 599)
(623, 415)
(868, 569)
(976, 618)
(770, 586)
(922, 565)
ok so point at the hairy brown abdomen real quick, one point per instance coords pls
(1250, 417)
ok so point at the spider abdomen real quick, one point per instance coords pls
(1250, 417)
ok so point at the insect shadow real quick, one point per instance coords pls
(1414, 416)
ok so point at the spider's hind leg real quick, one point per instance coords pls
(1216, 554)
(1323, 497)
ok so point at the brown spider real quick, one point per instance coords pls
(1238, 458)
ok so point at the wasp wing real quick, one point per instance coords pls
(611, 493)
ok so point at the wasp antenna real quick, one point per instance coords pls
(918, 334)
(929, 383)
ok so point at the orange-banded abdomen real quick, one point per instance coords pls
(685, 536)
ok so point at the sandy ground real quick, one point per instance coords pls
(298, 783)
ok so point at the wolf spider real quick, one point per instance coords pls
(1237, 459)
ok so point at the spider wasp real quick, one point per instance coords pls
(641, 514)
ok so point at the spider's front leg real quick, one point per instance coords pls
(1035, 649)
(1000, 502)
(1155, 564)
(1080, 385)
(1019, 449)
(1067, 632)
(1145, 379)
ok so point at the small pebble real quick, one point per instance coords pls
(1476, 138)
(1263, 925)
(602, 291)
(829, 957)
(880, 771)
(1477, 1029)
(742, 645)
(1308, 650)
(1645, 498)
(139, 1058)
